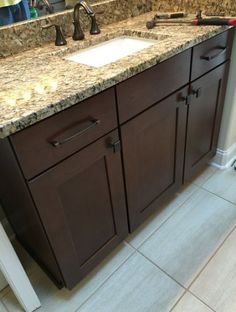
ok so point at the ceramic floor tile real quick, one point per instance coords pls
(138, 286)
(187, 240)
(205, 175)
(54, 300)
(216, 285)
(223, 183)
(155, 220)
(190, 304)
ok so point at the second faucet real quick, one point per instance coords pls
(78, 32)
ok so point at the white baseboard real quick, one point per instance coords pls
(224, 158)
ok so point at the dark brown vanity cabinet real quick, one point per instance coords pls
(172, 141)
(63, 180)
(209, 72)
(76, 205)
(153, 151)
(204, 115)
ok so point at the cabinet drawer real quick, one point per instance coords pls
(143, 90)
(211, 53)
(55, 138)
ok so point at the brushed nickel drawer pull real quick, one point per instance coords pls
(210, 57)
(92, 123)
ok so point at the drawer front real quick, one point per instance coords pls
(211, 53)
(143, 90)
(53, 139)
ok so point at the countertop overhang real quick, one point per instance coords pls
(72, 82)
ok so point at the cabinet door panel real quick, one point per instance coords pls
(153, 145)
(204, 115)
(81, 203)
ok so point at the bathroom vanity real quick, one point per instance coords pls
(75, 183)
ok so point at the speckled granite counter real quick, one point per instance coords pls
(40, 82)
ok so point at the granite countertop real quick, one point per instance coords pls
(39, 83)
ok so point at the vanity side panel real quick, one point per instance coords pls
(21, 212)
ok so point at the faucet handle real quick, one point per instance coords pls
(94, 26)
(60, 40)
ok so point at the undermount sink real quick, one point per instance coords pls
(110, 51)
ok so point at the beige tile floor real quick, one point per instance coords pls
(182, 259)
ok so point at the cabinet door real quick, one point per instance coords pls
(153, 152)
(82, 206)
(204, 116)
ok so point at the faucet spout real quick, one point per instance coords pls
(78, 33)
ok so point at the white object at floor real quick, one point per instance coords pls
(15, 275)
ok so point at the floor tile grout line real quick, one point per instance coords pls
(203, 302)
(202, 187)
(157, 229)
(178, 301)
(182, 286)
(198, 274)
(212, 256)
(92, 294)
(163, 271)
(187, 291)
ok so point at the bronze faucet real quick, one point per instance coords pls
(78, 33)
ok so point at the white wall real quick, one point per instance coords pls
(226, 151)
(228, 128)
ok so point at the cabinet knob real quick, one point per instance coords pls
(115, 145)
(197, 92)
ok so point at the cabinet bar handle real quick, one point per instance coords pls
(92, 123)
(210, 57)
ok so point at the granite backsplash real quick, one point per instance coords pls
(28, 35)
(227, 7)
(24, 36)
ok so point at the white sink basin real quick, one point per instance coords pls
(110, 51)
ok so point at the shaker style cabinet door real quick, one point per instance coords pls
(153, 152)
(204, 117)
(82, 206)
